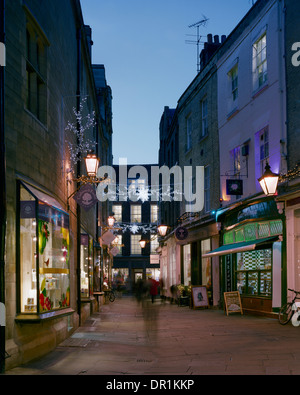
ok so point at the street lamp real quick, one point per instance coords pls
(91, 164)
(111, 221)
(143, 243)
(162, 230)
(268, 181)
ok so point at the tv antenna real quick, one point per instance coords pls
(197, 42)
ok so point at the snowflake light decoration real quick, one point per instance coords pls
(134, 228)
(143, 194)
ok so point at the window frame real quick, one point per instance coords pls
(117, 215)
(204, 117)
(136, 217)
(135, 248)
(264, 145)
(36, 70)
(207, 179)
(188, 132)
(259, 62)
(154, 213)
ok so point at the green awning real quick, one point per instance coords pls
(239, 247)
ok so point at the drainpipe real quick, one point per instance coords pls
(2, 197)
(78, 212)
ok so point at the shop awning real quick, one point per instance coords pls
(239, 247)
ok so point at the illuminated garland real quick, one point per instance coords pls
(291, 174)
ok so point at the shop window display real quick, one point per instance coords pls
(254, 273)
(44, 254)
(86, 265)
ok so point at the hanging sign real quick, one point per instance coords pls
(154, 259)
(86, 197)
(114, 251)
(181, 233)
(108, 237)
(234, 187)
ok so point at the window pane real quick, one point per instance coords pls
(136, 213)
(154, 244)
(53, 231)
(28, 252)
(254, 272)
(118, 243)
(265, 283)
(135, 245)
(117, 210)
(154, 213)
(84, 265)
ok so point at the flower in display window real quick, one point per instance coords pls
(45, 301)
(43, 235)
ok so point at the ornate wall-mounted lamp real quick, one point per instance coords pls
(91, 164)
(269, 181)
(111, 221)
(162, 230)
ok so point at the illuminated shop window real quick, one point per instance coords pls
(86, 265)
(254, 273)
(43, 253)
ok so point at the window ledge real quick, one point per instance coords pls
(37, 318)
(202, 138)
(36, 119)
(260, 90)
(232, 113)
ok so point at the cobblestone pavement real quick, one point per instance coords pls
(125, 338)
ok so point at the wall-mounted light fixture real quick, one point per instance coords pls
(162, 230)
(143, 243)
(111, 221)
(269, 181)
(91, 163)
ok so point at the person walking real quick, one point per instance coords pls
(153, 289)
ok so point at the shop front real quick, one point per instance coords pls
(43, 256)
(252, 256)
(197, 269)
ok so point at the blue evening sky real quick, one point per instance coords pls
(142, 44)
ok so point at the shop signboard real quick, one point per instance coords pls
(154, 259)
(199, 296)
(233, 302)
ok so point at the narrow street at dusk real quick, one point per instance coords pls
(165, 339)
(149, 193)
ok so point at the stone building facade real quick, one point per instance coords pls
(136, 219)
(196, 133)
(48, 76)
